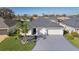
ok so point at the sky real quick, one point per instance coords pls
(46, 10)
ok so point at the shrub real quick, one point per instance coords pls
(75, 34)
(12, 31)
(65, 32)
(69, 36)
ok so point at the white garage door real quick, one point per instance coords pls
(55, 32)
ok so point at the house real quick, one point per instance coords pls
(44, 26)
(62, 18)
(71, 24)
(5, 25)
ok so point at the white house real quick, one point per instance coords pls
(44, 26)
(71, 24)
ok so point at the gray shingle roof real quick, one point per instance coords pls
(6, 23)
(73, 22)
(2, 24)
(43, 22)
(53, 18)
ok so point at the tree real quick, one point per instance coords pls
(25, 15)
(22, 27)
(64, 15)
(6, 13)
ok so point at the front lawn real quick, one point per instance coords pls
(13, 44)
(72, 39)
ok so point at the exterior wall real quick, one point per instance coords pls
(3, 32)
(37, 31)
(43, 31)
(29, 32)
(40, 30)
(49, 31)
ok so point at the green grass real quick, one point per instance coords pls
(73, 40)
(13, 44)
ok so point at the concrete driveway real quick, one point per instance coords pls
(2, 37)
(54, 43)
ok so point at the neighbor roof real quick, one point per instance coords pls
(62, 18)
(43, 22)
(2, 24)
(53, 18)
(73, 22)
(6, 23)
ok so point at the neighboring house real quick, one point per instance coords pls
(5, 25)
(62, 18)
(71, 24)
(44, 26)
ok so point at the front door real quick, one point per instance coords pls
(34, 31)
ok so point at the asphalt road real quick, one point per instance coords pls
(54, 43)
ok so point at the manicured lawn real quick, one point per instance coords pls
(73, 40)
(13, 44)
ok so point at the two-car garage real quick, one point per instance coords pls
(49, 31)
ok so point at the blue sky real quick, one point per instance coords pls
(46, 10)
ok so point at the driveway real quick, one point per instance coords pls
(2, 37)
(54, 43)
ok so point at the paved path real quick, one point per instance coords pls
(2, 37)
(54, 43)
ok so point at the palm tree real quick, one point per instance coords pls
(18, 26)
(22, 27)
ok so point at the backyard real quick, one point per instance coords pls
(73, 38)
